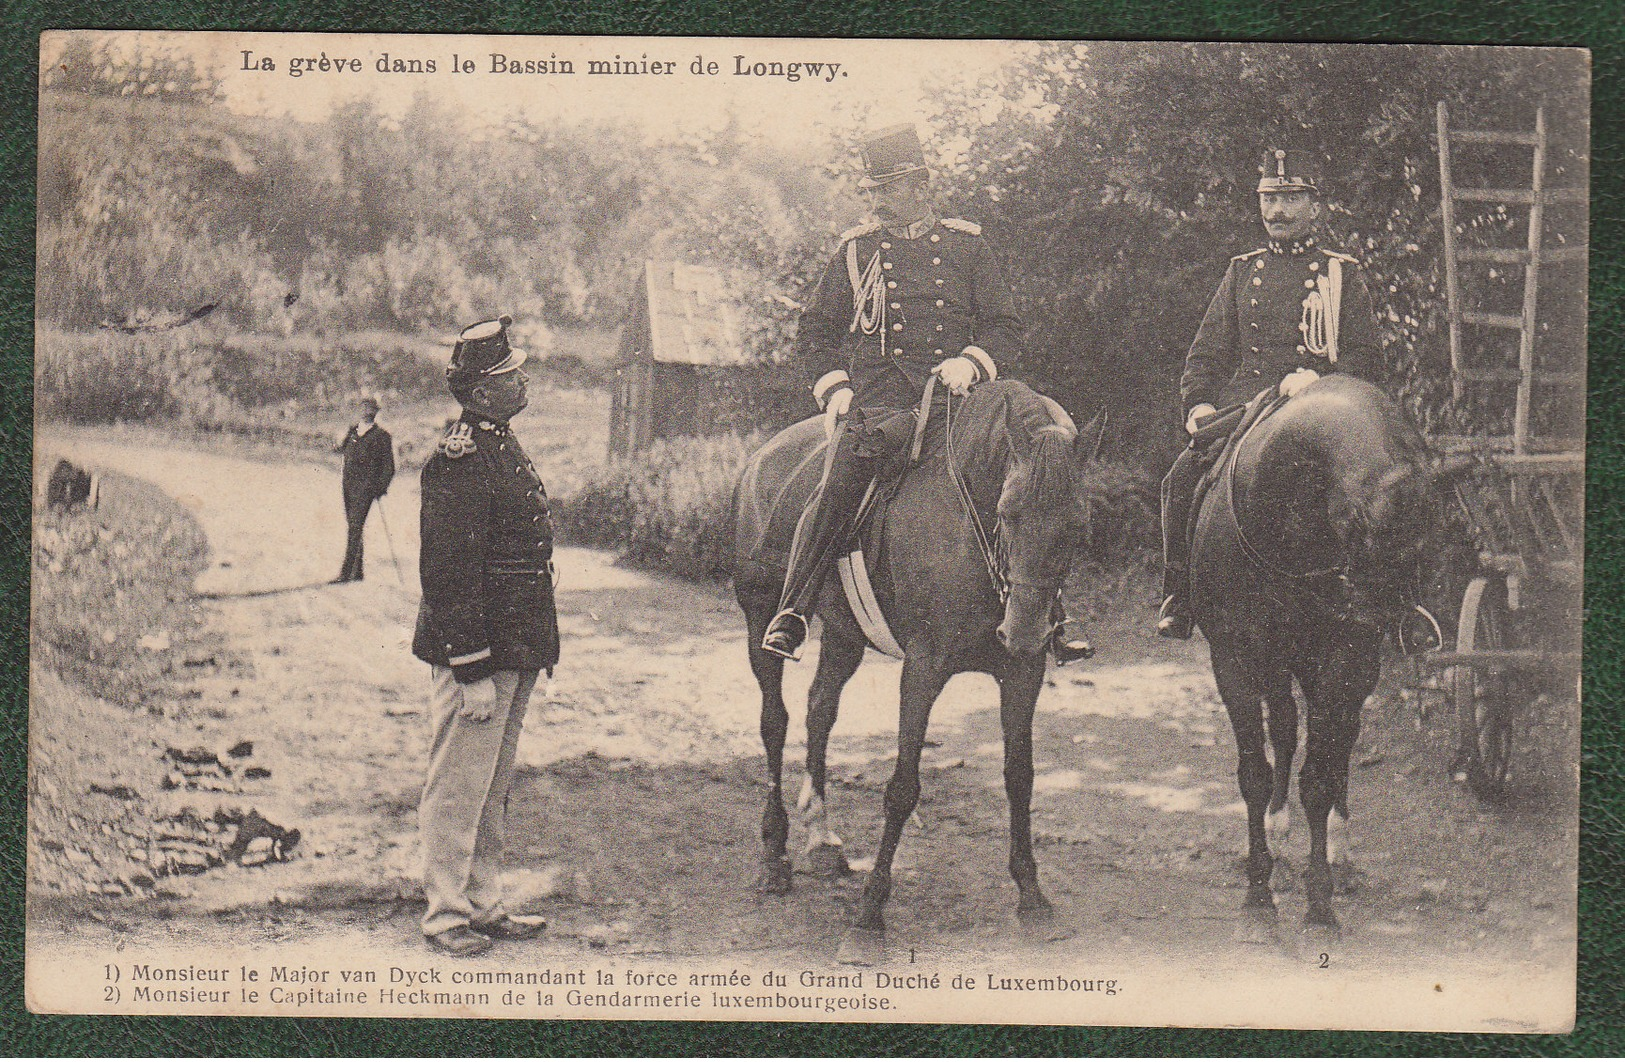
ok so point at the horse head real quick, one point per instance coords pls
(1043, 520)
(1385, 529)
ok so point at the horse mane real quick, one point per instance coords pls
(1003, 422)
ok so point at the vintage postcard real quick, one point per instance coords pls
(917, 531)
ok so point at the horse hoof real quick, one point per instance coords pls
(862, 947)
(1035, 913)
(1317, 943)
(775, 877)
(828, 861)
(1258, 925)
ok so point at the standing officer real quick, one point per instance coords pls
(486, 627)
(906, 296)
(1283, 315)
(369, 466)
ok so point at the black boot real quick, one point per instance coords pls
(785, 634)
(850, 473)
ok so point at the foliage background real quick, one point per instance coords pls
(1562, 22)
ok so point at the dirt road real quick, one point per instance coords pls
(637, 808)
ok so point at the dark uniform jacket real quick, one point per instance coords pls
(943, 291)
(1253, 332)
(369, 463)
(487, 541)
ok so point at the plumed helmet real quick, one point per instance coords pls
(1289, 171)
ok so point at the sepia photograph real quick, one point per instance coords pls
(1014, 532)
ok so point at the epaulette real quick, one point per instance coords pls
(860, 230)
(961, 225)
(1339, 255)
(1249, 254)
(458, 440)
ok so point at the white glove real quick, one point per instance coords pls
(1294, 382)
(959, 373)
(479, 700)
(1198, 412)
(835, 407)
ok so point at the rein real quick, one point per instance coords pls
(986, 544)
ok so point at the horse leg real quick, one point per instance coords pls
(1281, 712)
(920, 685)
(1335, 698)
(775, 875)
(838, 659)
(1018, 696)
(1244, 704)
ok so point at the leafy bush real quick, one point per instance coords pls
(202, 378)
(669, 507)
(1125, 516)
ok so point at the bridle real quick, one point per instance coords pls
(995, 553)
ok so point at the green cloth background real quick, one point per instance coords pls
(1597, 24)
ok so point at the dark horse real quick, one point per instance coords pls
(1305, 548)
(1013, 450)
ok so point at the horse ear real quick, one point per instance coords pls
(1091, 435)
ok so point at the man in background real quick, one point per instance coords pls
(369, 466)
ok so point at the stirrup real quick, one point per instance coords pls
(781, 639)
(1173, 619)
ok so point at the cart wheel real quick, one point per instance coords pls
(1483, 696)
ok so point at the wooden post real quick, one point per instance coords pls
(1531, 277)
(1447, 206)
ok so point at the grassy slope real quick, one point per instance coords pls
(116, 633)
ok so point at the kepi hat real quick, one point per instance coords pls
(1289, 171)
(483, 350)
(891, 154)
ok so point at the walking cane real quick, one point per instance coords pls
(389, 540)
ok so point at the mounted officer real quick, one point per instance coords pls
(486, 627)
(1285, 314)
(907, 296)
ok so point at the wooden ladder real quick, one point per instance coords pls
(1531, 257)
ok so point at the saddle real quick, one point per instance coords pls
(1216, 442)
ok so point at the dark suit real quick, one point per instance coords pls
(369, 466)
(942, 292)
(1252, 336)
(487, 540)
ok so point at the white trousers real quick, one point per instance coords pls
(462, 817)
